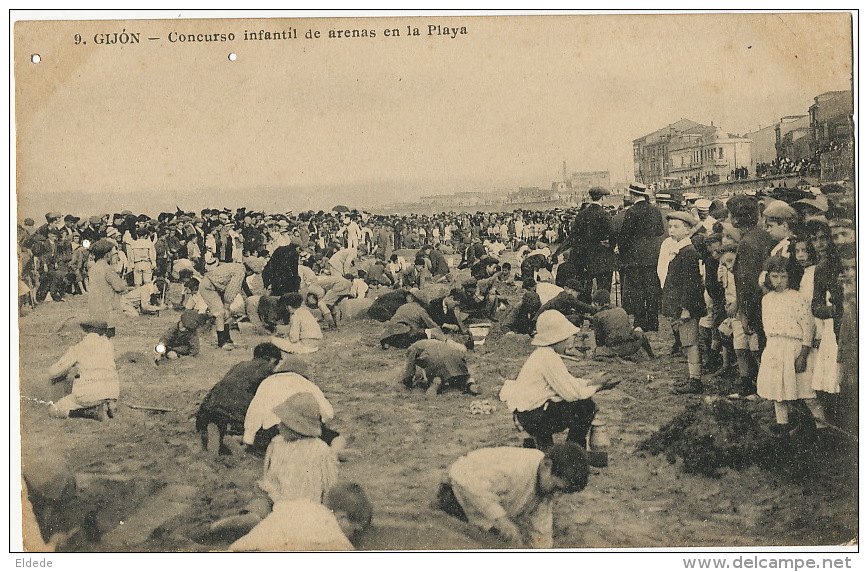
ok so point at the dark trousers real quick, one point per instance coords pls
(404, 341)
(448, 503)
(53, 282)
(604, 282)
(641, 296)
(556, 416)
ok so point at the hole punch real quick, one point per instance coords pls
(35, 58)
(233, 56)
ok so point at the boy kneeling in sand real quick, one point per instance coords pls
(510, 490)
(613, 333)
(182, 339)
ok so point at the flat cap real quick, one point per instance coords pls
(598, 192)
(742, 205)
(779, 210)
(687, 218)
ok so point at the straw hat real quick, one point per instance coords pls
(638, 189)
(552, 327)
(301, 413)
(702, 205)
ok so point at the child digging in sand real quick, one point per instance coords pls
(97, 386)
(510, 490)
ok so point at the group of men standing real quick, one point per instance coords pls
(637, 233)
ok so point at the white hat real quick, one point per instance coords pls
(702, 205)
(552, 327)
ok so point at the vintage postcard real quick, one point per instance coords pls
(423, 281)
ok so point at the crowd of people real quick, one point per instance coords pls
(758, 293)
(785, 166)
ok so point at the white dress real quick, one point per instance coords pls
(788, 326)
(823, 362)
(826, 375)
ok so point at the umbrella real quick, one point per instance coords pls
(341, 209)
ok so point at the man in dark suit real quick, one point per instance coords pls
(591, 253)
(639, 247)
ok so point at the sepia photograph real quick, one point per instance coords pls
(435, 281)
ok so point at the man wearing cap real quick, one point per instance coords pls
(754, 248)
(68, 228)
(384, 241)
(94, 229)
(639, 247)
(52, 222)
(545, 397)
(589, 241)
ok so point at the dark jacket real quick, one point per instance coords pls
(231, 396)
(567, 304)
(753, 250)
(640, 236)
(439, 265)
(522, 317)
(182, 343)
(683, 288)
(590, 234)
(281, 272)
(826, 284)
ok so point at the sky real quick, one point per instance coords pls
(499, 107)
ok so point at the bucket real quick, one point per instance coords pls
(479, 333)
(598, 440)
(598, 444)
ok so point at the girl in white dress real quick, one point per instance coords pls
(789, 329)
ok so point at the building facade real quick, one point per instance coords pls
(832, 134)
(651, 152)
(707, 154)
